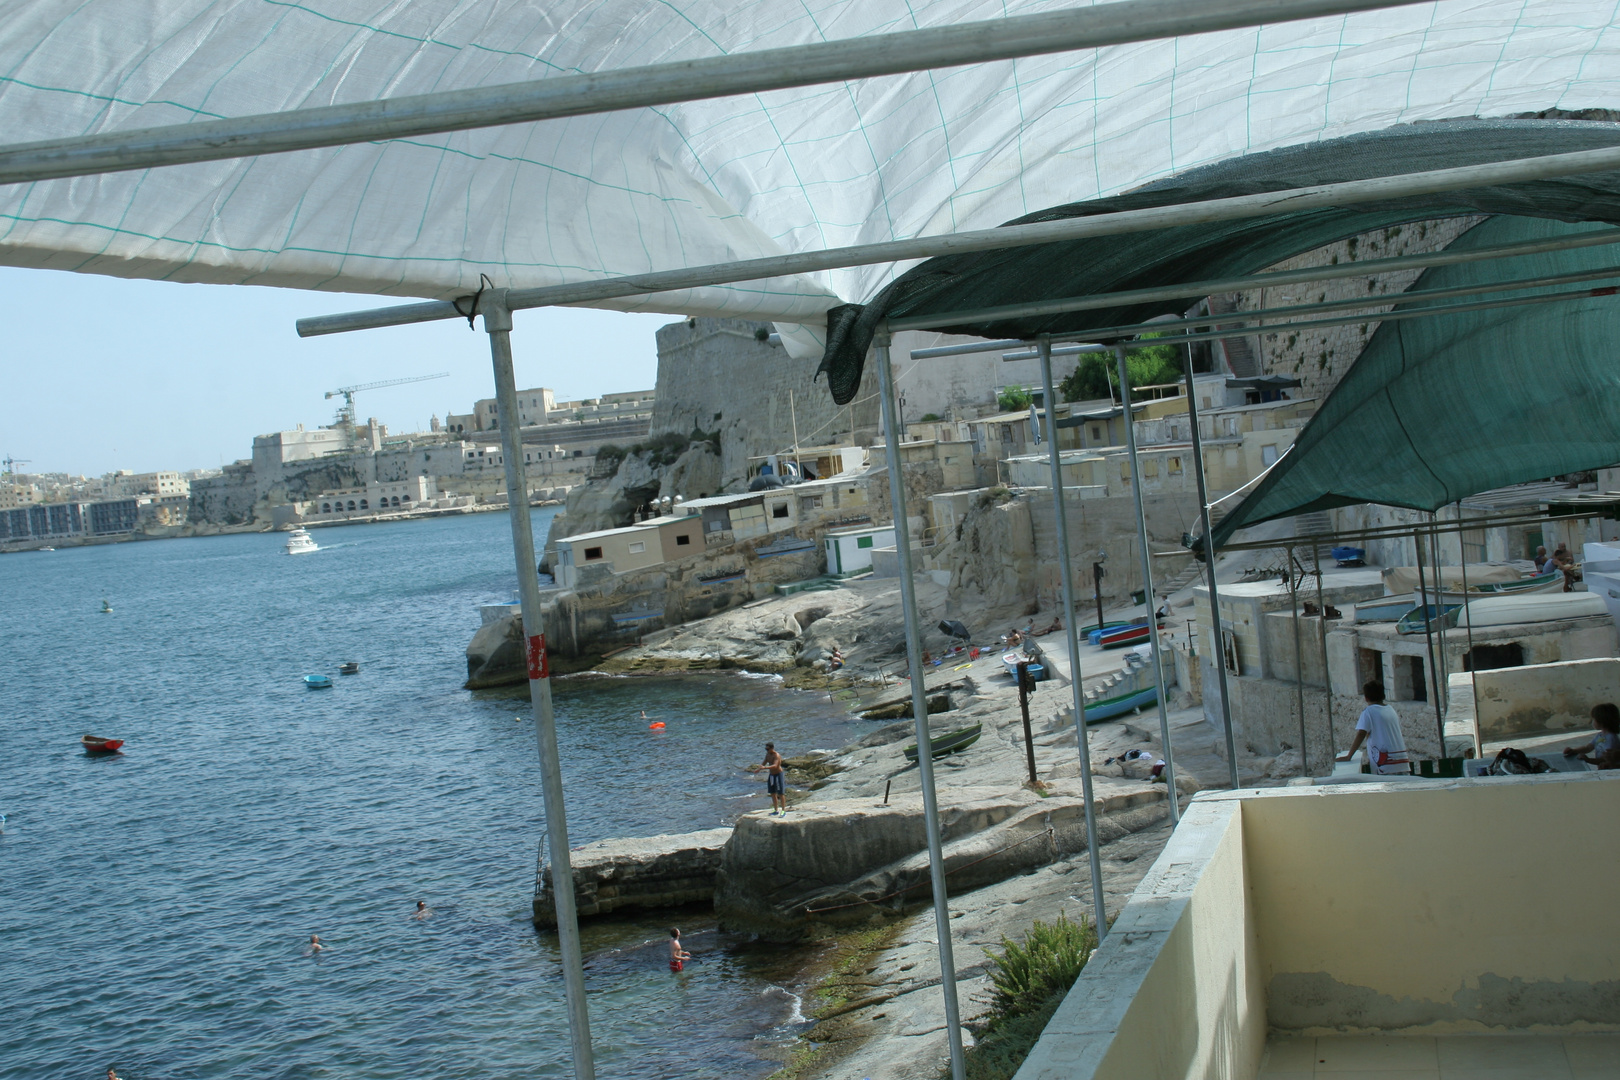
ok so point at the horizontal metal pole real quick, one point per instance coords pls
(1216, 286)
(1343, 320)
(966, 350)
(1396, 532)
(1348, 193)
(657, 84)
(1360, 303)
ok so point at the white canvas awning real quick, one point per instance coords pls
(700, 182)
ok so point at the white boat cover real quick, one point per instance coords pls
(1538, 607)
(708, 181)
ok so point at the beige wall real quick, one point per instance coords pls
(1544, 699)
(670, 532)
(1174, 990)
(1442, 905)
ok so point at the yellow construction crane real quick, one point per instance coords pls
(345, 413)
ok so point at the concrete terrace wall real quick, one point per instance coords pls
(1174, 991)
(1441, 906)
(1548, 698)
(1412, 907)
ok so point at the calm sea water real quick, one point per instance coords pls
(157, 903)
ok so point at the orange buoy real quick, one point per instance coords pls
(656, 725)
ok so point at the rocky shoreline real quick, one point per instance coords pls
(848, 861)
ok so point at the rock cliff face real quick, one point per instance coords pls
(640, 874)
(495, 656)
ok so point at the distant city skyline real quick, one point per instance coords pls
(104, 373)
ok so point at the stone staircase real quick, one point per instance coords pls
(1240, 356)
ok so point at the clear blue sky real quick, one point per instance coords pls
(102, 373)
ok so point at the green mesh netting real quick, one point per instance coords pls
(1141, 260)
(1438, 409)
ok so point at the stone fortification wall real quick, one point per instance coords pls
(720, 375)
(226, 499)
(1320, 358)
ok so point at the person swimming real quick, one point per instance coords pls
(677, 955)
(315, 946)
(422, 910)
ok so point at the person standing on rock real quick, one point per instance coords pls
(775, 780)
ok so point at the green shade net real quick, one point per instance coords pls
(962, 283)
(1437, 409)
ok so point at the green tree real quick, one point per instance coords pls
(1014, 398)
(1097, 375)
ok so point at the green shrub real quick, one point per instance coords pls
(927, 417)
(999, 1053)
(1013, 398)
(1025, 976)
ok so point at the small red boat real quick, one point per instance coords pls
(94, 745)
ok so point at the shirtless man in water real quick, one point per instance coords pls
(315, 945)
(775, 780)
(677, 955)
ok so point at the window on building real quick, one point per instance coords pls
(716, 525)
(351, 504)
(1229, 424)
(326, 508)
(1268, 454)
(1125, 471)
(810, 502)
(363, 505)
(863, 541)
(395, 500)
(592, 553)
(1150, 469)
(683, 540)
(1174, 466)
(1096, 432)
(638, 547)
(779, 510)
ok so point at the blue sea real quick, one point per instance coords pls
(158, 902)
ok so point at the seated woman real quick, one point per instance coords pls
(1604, 749)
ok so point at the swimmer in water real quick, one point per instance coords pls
(677, 955)
(422, 910)
(112, 1074)
(315, 945)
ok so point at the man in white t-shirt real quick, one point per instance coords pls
(1379, 726)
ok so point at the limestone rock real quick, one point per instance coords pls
(496, 655)
(637, 874)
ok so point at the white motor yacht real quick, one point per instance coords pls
(299, 543)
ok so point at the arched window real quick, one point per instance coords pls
(351, 504)
(363, 505)
(326, 508)
(395, 500)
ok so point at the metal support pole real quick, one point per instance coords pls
(919, 709)
(1209, 562)
(1071, 631)
(1442, 674)
(1299, 662)
(1147, 581)
(1327, 677)
(1025, 685)
(1428, 635)
(1472, 660)
(498, 324)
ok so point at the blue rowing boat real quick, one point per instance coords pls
(317, 682)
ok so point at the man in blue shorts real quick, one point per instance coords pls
(775, 780)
